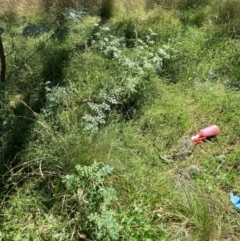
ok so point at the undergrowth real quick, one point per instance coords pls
(97, 114)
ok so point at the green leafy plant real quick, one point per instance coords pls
(90, 201)
(132, 74)
(56, 101)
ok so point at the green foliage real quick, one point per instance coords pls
(194, 213)
(228, 10)
(25, 217)
(56, 101)
(226, 14)
(187, 4)
(85, 210)
(141, 88)
(89, 199)
(133, 73)
(135, 224)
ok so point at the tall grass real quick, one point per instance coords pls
(11, 9)
(228, 15)
(224, 12)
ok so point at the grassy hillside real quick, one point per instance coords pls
(98, 107)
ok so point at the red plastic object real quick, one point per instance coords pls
(205, 133)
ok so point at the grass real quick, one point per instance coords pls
(167, 187)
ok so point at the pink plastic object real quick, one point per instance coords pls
(205, 133)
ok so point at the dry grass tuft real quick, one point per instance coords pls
(136, 9)
(227, 14)
(229, 11)
(139, 9)
(92, 5)
(11, 9)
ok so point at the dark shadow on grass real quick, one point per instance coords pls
(53, 58)
(34, 30)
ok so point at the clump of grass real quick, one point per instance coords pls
(188, 4)
(166, 4)
(181, 4)
(226, 13)
(10, 10)
(194, 217)
(138, 10)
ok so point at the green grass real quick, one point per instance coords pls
(168, 188)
